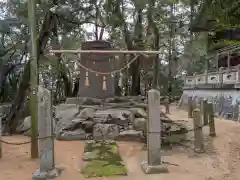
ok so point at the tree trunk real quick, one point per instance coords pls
(129, 40)
(18, 100)
(67, 85)
(135, 73)
(63, 73)
(49, 26)
(135, 68)
(76, 87)
(170, 50)
(155, 44)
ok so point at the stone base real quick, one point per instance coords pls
(212, 134)
(198, 150)
(38, 175)
(157, 169)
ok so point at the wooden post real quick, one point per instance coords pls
(190, 107)
(212, 131)
(198, 134)
(153, 164)
(204, 111)
(33, 78)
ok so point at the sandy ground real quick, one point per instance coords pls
(220, 162)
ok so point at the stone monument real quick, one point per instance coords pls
(154, 164)
(92, 84)
(47, 168)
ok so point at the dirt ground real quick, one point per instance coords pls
(220, 162)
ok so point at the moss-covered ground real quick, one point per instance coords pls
(105, 160)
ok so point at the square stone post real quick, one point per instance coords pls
(238, 74)
(190, 107)
(153, 164)
(47, 168)
(212, 131)
(204, 111)
(238, 113)
(167, 107)
(185, 80)
(198, 134)
(194, 79)
(221, 76)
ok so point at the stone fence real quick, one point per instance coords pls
(223, 76)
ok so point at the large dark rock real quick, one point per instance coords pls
(130, 135)
(105, 131)
(85, 113)
(113, 116)
(139, 124)
(139, 112)
(78, 134)
(91, 101)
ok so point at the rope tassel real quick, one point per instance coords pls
(86, 80)
(104, 83)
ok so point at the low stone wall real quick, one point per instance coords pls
(225, 102)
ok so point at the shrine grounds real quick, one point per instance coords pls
(220, 161)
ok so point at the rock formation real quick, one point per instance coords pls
(120, 118)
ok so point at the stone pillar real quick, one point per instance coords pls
(190, 107)
(194, 80)
(238, 113)
(221, 76)
(153, 164)
(185, 80)
(167, 107)
(212, 131)
(238, 74)
(198, 134)
(47, 168)
(204, 112)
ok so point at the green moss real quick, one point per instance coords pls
(107, 162)
(98, 168)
